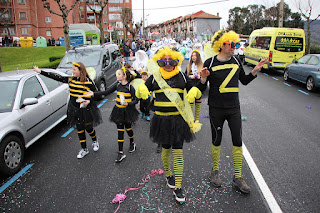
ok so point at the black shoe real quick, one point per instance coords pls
(120, 157)
(132, 147)
(179, 195)
(159, 148)
(171, 182)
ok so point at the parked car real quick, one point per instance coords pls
(306, 70)
(239, 51)
(30, 105)
(101, 61)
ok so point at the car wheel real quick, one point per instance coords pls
(102, 86)
(286, 75)
(11, 155)
(310, 84)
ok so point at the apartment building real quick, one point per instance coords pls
(200, 25)
(29, 18)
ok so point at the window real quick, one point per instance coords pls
(105, 21)
(82, 16)
(21, 2)
(303, 59)
(31, 89)
(23, 15)
(119, 25)
(5, 31)
(106, 59)
(48, 19)
(289, 44)
(127, 1)
(50, 83)
(81, 8)
(115, 9)
(114, 16)
(120, 32)
(49, 33)
(24, 31)
(261, 42)
(115, 1)
(105, 29)
(314, 60)
(105, 12)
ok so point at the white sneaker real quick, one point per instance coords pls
(95, 146)
(82, 153)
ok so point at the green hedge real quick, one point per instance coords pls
(52, 65)
(314, 49)
(53, 58)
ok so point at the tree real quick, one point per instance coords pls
(305, 11)
(102, 4)
(237, 18)
(126, 17)
(64, 15)
(255, 17)
(6, 19)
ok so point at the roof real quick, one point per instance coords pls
(202, 14)
(85, 27)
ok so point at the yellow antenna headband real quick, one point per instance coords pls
(144, 72)
(76, 64)
(196, 51)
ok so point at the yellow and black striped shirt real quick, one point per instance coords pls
(162, 105)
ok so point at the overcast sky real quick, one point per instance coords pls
(176, 8)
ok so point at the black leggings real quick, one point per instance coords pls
(217, 118)
(168, 146)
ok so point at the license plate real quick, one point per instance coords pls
(278, 64)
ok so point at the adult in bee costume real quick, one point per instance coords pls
(223, 72)
(173, 121)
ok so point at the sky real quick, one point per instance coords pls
(176, 8)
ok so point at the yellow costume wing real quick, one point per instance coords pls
(208, 51)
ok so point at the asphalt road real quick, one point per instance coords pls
(281, 133)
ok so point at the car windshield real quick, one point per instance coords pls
(90, 58)
(8, 95)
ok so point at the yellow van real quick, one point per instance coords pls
(279, 45)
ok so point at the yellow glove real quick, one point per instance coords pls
(193, 93)
(142, 92)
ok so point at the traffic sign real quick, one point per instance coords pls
(110, 28)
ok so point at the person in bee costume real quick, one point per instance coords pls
(124, 113)
(82, 111)
(173, 122)
(223, 72)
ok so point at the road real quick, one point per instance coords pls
(281, 133)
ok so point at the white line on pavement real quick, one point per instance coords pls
(273, 205)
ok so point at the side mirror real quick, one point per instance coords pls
(246, 44)
(29, 101)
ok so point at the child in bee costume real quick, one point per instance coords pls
(82, 111)
(173, 122)
(124, 113)
(223, 72)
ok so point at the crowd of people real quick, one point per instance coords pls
(163, 90)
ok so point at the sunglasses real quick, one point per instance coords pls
(233, 44)
(163, 63)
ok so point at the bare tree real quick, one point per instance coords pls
(305, 11)
(126, 17)
(64, 15)
(102, 4)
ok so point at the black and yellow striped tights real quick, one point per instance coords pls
(178, 163)
(121, 128)
(82, 135)
(197, 109)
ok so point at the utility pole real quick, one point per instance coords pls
(281, 13)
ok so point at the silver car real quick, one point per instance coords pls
(30, 106)
(306, 70)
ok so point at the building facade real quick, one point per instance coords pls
(29, 18)
(199, 25)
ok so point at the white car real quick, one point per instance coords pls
(239, 52)
(30, 105)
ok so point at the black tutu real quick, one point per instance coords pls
(88, 115)
(124, 115)
(170, 130)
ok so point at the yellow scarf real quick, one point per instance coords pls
(166, 74)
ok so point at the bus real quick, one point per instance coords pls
(279, 45)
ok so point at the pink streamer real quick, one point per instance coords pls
(121, 197)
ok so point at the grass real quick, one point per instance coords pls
(13, 58)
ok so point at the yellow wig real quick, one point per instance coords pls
(221, 37)
(175, 54)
